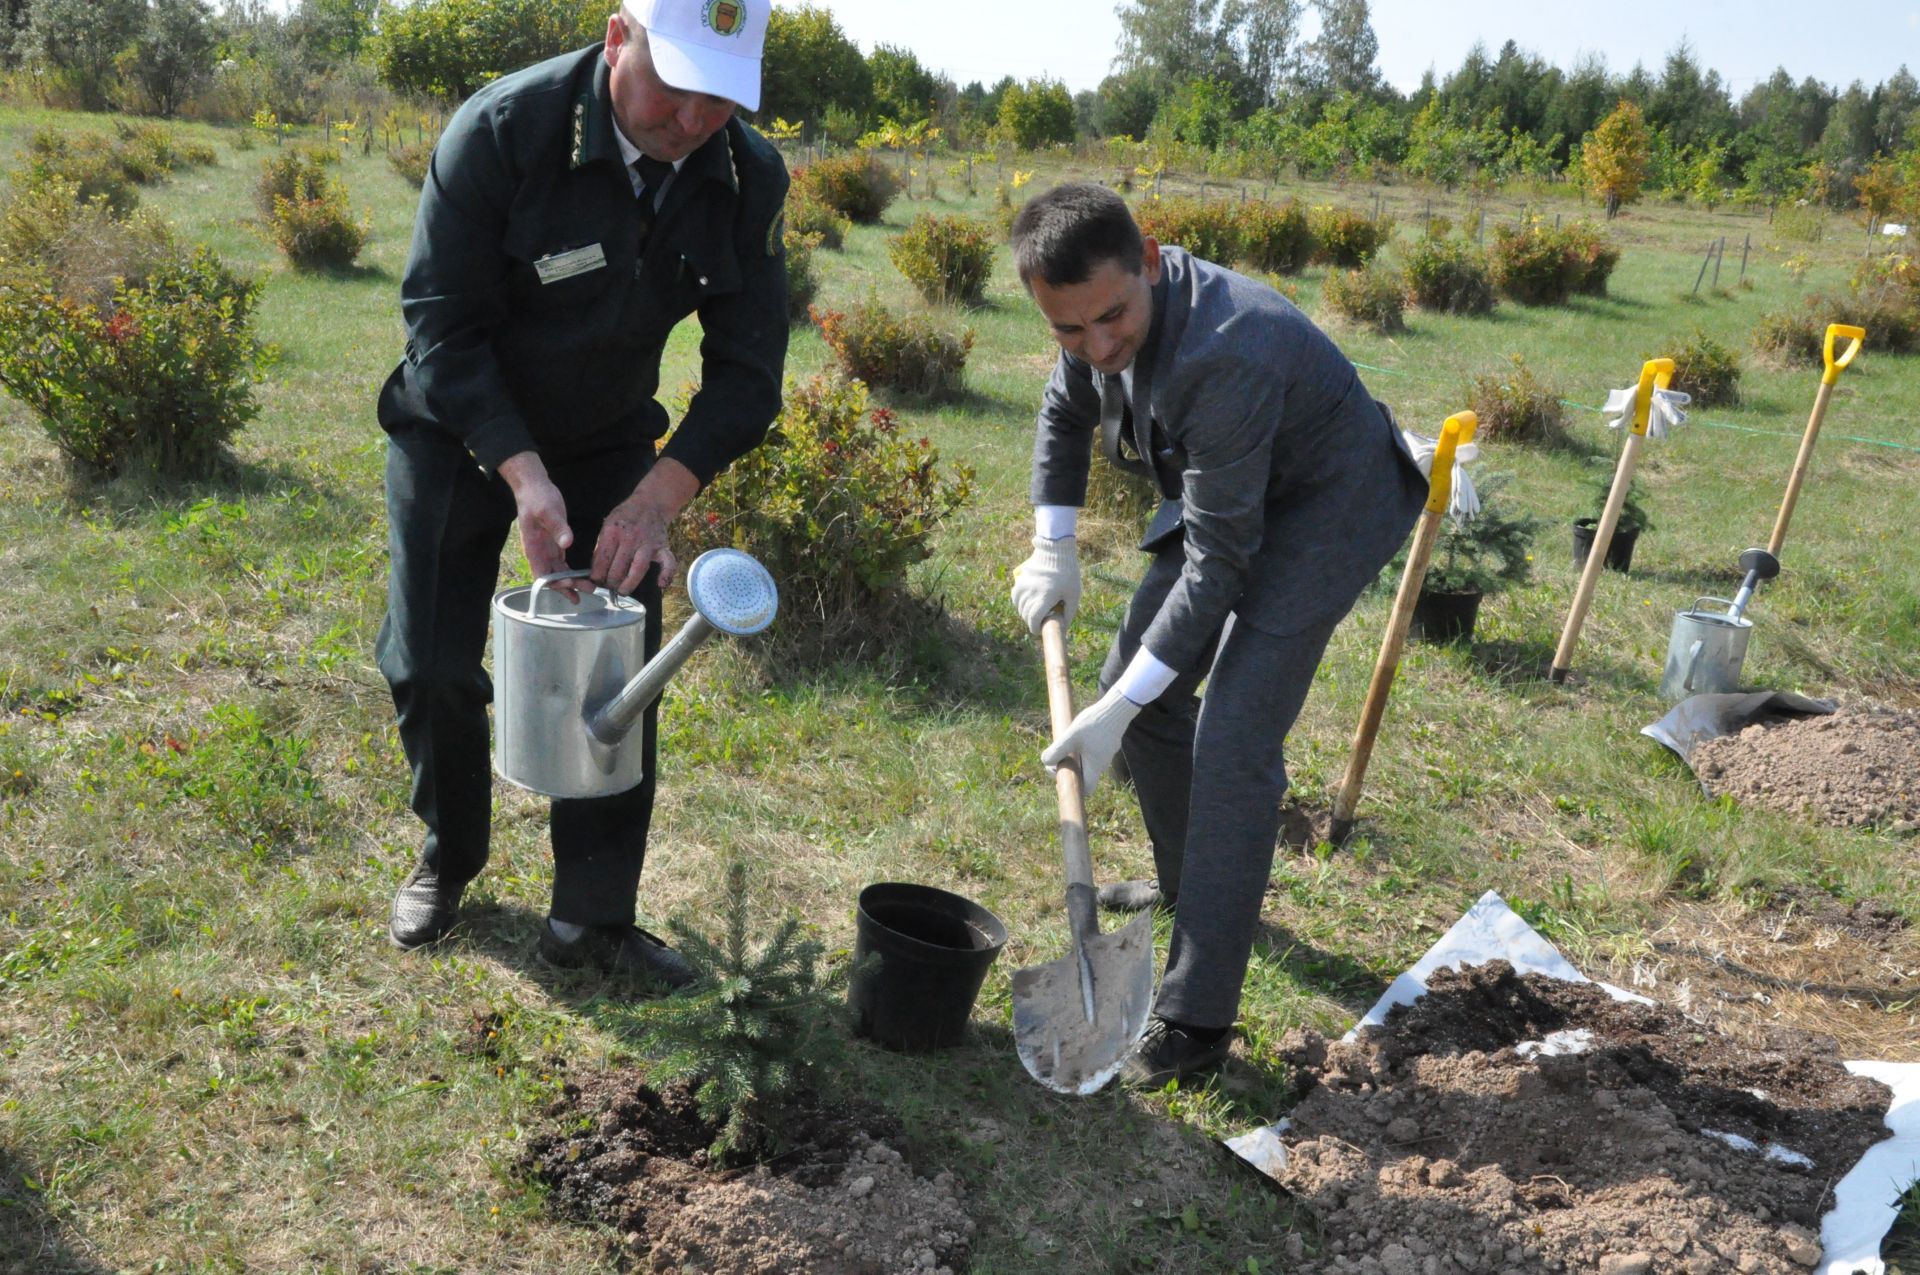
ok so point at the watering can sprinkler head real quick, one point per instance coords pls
(731, 593)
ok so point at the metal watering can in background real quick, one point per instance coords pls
(572, 678)
(1707, 648)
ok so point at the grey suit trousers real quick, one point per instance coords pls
(1210, 777)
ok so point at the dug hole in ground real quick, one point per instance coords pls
(1498, 1112)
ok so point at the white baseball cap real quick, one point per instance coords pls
(706, 46)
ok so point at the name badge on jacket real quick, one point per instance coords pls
(564, 265)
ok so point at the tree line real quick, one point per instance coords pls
(1235, 87)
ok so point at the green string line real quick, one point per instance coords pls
(1743, 429)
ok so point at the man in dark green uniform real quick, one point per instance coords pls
(574, 213)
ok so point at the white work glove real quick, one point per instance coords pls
(1093, 737)
(1048, 578)
(1662, 414)
(1466, 501)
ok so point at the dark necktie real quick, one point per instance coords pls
(653, 175)
(1113, 426)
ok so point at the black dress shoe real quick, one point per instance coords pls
(1133, 896)
(424, 909)
(1173, 1051)
(625, 950)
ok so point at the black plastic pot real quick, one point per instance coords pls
(934, 949)
(1619, 549)
(1445, 617)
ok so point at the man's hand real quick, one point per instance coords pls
(1094, 737)
(634, 536)
(1048, 578)
(541, 512)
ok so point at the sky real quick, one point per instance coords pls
(1075, 40)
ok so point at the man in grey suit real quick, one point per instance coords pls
(1285, 489)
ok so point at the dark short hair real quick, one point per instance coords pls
(1062, 235)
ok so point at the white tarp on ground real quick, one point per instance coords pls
(1864, 1200)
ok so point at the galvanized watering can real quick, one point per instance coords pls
(1707, 648)
(572, 678)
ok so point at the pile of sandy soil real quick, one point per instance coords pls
(1859, 767)
(1519, 1124)
(839, 1201)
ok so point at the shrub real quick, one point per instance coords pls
(1707, 370)
(802, 281)
(1531, 264)
(281, 175)
(1348, 238)
(1374, 295)
(945, 258)
(1593, 258)
(838, 502)
(1210, 231)
(149, 365)
(154, 149)
(1789, 338)
(315, 227)
(411, 162)
(901, 352)
(1275, 237)
(1803, 222)
(858, 186)
(808, 216)
(1450, 275)
(1885, 309)
(1516, 408)
(91, 164)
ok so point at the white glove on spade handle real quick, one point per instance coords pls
(1093, 737)
(1049, 578)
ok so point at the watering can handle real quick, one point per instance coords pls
(533, 594)
(1705, 598)
(1855, 336)
(1693, 662)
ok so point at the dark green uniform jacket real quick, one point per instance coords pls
(533, 319)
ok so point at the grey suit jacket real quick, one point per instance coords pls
(1294, 486)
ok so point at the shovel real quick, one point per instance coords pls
(1835, 366)
(1457, 431)
(1655, 374)
(1074, 1019)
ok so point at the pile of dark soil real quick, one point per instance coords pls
(839, 1201)
(1859, 767)
(1517, 1124)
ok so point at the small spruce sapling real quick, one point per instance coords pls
(1485, 553)
(750, 1031)
(1633, 511)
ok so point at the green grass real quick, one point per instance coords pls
(210, 1058)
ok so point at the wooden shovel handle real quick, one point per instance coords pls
(1067, 783)
(1459, 429)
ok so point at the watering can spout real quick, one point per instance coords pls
(731, 593)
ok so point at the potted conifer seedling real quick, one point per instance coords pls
(1472, 558)
(1633, 521)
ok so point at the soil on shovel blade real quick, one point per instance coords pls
(840, 1201)
(1506, 1123)
(1859, 767)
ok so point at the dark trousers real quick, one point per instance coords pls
(1210, 776)
(447, 523)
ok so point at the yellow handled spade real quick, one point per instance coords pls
(1834, 367)
(1655, 374)
(1456, 433)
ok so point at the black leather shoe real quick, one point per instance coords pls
(625, 950)
(424, 909)
(1133, 896)
(1173, 1051)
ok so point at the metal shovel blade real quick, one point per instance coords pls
(1074, 1019)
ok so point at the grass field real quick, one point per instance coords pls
(212, 1060)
